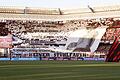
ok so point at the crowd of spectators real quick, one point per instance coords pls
(103, 48)
(55, 32)
(110, 35)
(16, 26)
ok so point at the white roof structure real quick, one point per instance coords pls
(57, 14)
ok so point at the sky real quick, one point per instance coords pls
(58, 3)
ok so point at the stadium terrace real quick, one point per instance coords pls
(59, 34)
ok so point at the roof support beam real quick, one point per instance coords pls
(60, 11)
(92, 10)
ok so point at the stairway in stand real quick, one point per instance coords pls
(114, 52)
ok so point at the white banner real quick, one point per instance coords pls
(85, 39)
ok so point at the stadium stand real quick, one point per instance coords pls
(55, 28)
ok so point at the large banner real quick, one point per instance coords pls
(85, 39)
(5, 42)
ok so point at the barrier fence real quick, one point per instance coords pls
(32, 59)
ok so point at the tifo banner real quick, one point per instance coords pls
(85, 39)
(6, 42)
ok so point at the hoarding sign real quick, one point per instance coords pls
(5, 42)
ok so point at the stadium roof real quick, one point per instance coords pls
(30, 13)
(59, 3)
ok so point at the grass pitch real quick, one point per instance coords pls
(59, 70)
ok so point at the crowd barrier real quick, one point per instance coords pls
(17, 59)
(30, 59)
